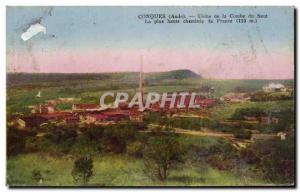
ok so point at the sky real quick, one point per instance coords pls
(113, 39)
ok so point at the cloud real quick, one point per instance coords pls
(33, 30)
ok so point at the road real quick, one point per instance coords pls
(236, 143)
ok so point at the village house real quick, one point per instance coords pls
(104, 116)
(28, 121)
(136, 115)
(206, 102)
(116, 115)
(61, 117)
(290, 90)
(43, 108)
(269, 120)
(17, 123)
(65, 99)
(36, 120)
(259, 136)
(61, 100)
(235, 97)
(155, 107)
(94, 118)
(262, 119)
(274, 87)
(85, 107)
(248, 118)
(56, 115)
(74, 119)
(281, 135)
(122, 106)
(202, 101)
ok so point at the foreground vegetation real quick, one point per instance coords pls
(116, 170)
(126, 155)
(120, 155)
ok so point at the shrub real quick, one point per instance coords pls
(62, 134)
(116, 137)
(62, 137)
(223, 156)
(250, 156)
(82, 169)
(16, 140)
(242, 134)
(277, 160)
(37, 175)
(135, 149)
(93, 132)
(251, 112)
(220, 162)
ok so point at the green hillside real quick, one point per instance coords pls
(31, 78)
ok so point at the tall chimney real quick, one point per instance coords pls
(141, 79)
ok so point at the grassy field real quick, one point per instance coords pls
(22, 88)
(117, 170)
(125, 170)
(226, 110)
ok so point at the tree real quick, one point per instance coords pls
(62, 136)
(82, 169)
(16, 143)
(240, 89)
(222, 156)
(93, 132)
(135, 149)
(116, 137)
(251, 112)
(242, 134)
(160, 155)
(16, 140)
(275, 159)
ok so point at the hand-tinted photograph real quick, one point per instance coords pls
(153, 96)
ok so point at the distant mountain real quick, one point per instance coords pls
(176, 74)
(28, 78)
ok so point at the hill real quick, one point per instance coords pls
(32, 78)
(176, 74)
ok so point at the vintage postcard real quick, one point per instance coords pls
(122, 96)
